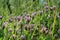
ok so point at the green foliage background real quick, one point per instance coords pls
(18, 7)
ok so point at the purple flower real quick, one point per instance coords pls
(22, 37)
(4, 24)
(30, 26)
(44, 29)
(27, 18)
(46, 8)
(18, 18)
(55, 36)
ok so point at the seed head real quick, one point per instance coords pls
(40, 12)
(27, 27)
(4, 24)
(10, 19)
(34, 37)
(22, 37)
(55, 36)
(13, 36)
(58, 30)
(44, 29)
(10, 30)
(58, 16)
(52, 8)
(33, 14)
(48, 16)
(31, 25)
(45, 4)
(0, 17)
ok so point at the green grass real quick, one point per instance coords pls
(20, 7)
